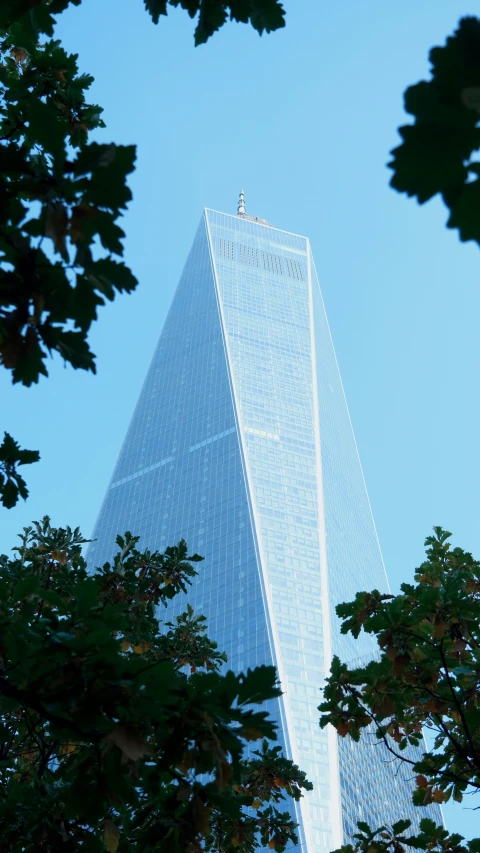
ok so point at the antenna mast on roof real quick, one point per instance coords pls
(241, 210)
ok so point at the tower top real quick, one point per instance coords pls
(241, 209)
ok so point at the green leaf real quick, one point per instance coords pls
(155, 8)
(25, 587)
(428, 826)
(107, 187)
(29, 360)
(111, 836)
(107, 275)
(10, 492)
(465, 212)
(73, 347)
(12, 484)
(44, 127)
(84, 303)
(257, 685)
(52, 597)
(266, 16)
(109, 232)
(400, 826)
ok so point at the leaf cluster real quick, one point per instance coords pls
(265, 780)
(427, 674)
(263, 15)
(118, 731)
(60, 199)
(12, 484)
(436, 155)
(394, 839)
(61, 196)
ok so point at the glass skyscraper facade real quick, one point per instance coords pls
(241, 443)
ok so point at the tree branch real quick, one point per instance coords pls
(459, 707)
(446, 774)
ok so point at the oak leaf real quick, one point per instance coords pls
(438, 796)
(111, 836)
(132, 745)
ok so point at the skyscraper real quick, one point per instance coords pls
(241, 443)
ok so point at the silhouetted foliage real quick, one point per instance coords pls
(119, 731)
(427, 675)
(61, 196)
(437, 152)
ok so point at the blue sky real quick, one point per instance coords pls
(303, 120)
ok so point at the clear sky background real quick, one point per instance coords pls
(303, 121)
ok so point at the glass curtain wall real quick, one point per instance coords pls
(241, 443)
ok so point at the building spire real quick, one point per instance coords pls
(241, 210)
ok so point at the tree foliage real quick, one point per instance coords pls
(436, 156)
(60, 198)
(118, 731)
(263, 15)
(12, 484)
(427, 675)
(61, 195)
(398, 839)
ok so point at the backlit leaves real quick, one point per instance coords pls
(60, 198)
(436, 153)
(427, 674)
(396, 839)
(61, 195)
(263, 15)
(120, 732)
(12, 484)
